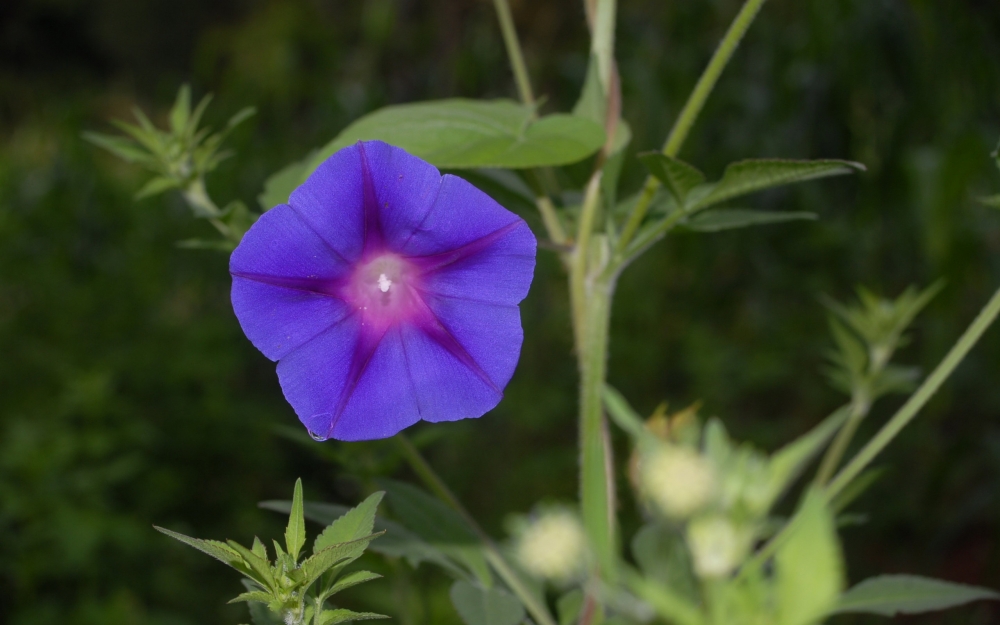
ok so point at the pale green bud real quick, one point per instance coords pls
(678, 480)
(717, 546)
(553, 546)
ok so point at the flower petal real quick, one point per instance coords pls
(461, 214)
(279, 269)
(331, 201)
(497, 268)
(448, 383)
(381, 400)
(405, 189)
(486, 340)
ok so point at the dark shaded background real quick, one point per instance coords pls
(129, 396)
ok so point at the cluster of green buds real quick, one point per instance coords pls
(291, 589)
(715, 493)
(180, 157)
(552, 545)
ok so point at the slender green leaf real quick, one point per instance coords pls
(993, 201)
(356, 523)
(461, 133)
(261, 568)
(677, 176)
(191, 133)
(730, 218)
(324, 560)
(123, 148)
(758, 174)
(156, 186)
(809, 565)
(295, 531)
(258, 548)
(889, 595)
(181, 111)
(333, 617)
(485, 606)
(241, 116)
(253, 595)
(623, 414)
(218, 550)
(352, 579)
(856, 488)
(786, 464)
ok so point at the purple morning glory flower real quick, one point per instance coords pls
(386, 292)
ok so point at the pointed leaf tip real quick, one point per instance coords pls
(295, 532)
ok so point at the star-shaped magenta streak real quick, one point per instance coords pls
(386, 292)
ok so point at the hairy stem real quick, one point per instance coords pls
(597, 488)
(692, 108)
(437, 486)
(917, 401)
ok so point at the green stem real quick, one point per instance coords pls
(917, 401)
(514, 52)
(692, 108)
(860, 406)
(437, 486)
(579, 262)
(898, 421)
(597, 488)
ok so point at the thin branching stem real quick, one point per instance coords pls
(437, 486)
(514, 52)
(917, 401)
(692, 109)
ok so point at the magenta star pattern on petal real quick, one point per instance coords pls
(386, 292)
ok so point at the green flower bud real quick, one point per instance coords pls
(553, 547)
(717, 546)
(678, 480)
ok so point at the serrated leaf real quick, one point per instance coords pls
(786, 464)
(295, 531)
(253, 595)
(677, 177)
(397, 542)
(754, 175)
(156, 186)
(889, 595)
(181, 111)
(218, 550)
(352, 579)
(460, 133)
(324, 560)
(355, 523)
(485, 606)
(260, 567)
(259, 549)
(721, 219)
(333, 617)
(809, 565)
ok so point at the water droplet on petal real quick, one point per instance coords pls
(316, 437)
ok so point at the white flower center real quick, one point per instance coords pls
(384, 283)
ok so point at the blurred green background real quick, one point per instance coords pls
(129, 396)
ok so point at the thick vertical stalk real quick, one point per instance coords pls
(597, 493)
